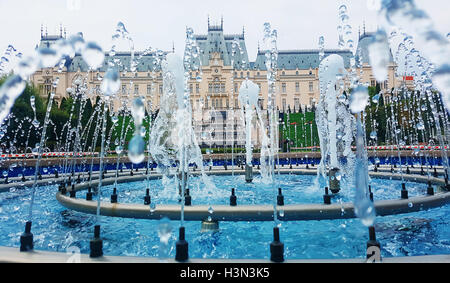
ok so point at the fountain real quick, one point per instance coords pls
(368, 135)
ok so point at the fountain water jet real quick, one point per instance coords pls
(333, 117)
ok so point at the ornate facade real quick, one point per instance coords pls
(215, 94)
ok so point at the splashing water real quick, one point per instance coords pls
(93, 55)
(333, 119)
(136, 147)
(9, 91)
(379, 56)
(248, 97)
(110, 83)
(359, 99)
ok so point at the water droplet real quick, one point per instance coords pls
(9, 91)
(420, 126)
(164, 230)
(136, 149)
(48, 57)
(35, 123)
(93, 55)
(27, 67)
(210, 210)
(359, 99)
(111, 83)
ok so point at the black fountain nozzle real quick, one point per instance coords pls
(225, 166)
(182, 247)
(430, 190)
(404, 191)
(89, 194)
(73, 192)
(96, 244)
(26, 239)
(56, 174)
(131, 172)
(435, 173)
(79, 179)
(307, 166)
(114, 196)
(372, 243)
(137, 169)
(407, 170)
(276, 247)
(392, 169)
(422, 172)
(280, 197)
(73, 173)
(63, 188)
(147, 199)
(187, 198)
(233, 198)
(23, 178)
(375, 168)
(370, 193)
(326, 197)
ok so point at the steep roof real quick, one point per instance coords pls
(300, 59)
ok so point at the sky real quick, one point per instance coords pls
(159, 24)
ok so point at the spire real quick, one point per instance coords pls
(208, 22)
(42, 31)
(221, 22)
(364, 27)
(46, 31)
(359, 32)
(258, 47)
(65, 33)
(243, 31)
(173, 47)
(60, 30)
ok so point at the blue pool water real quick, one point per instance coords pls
(56, 229)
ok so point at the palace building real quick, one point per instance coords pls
(214, 97)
